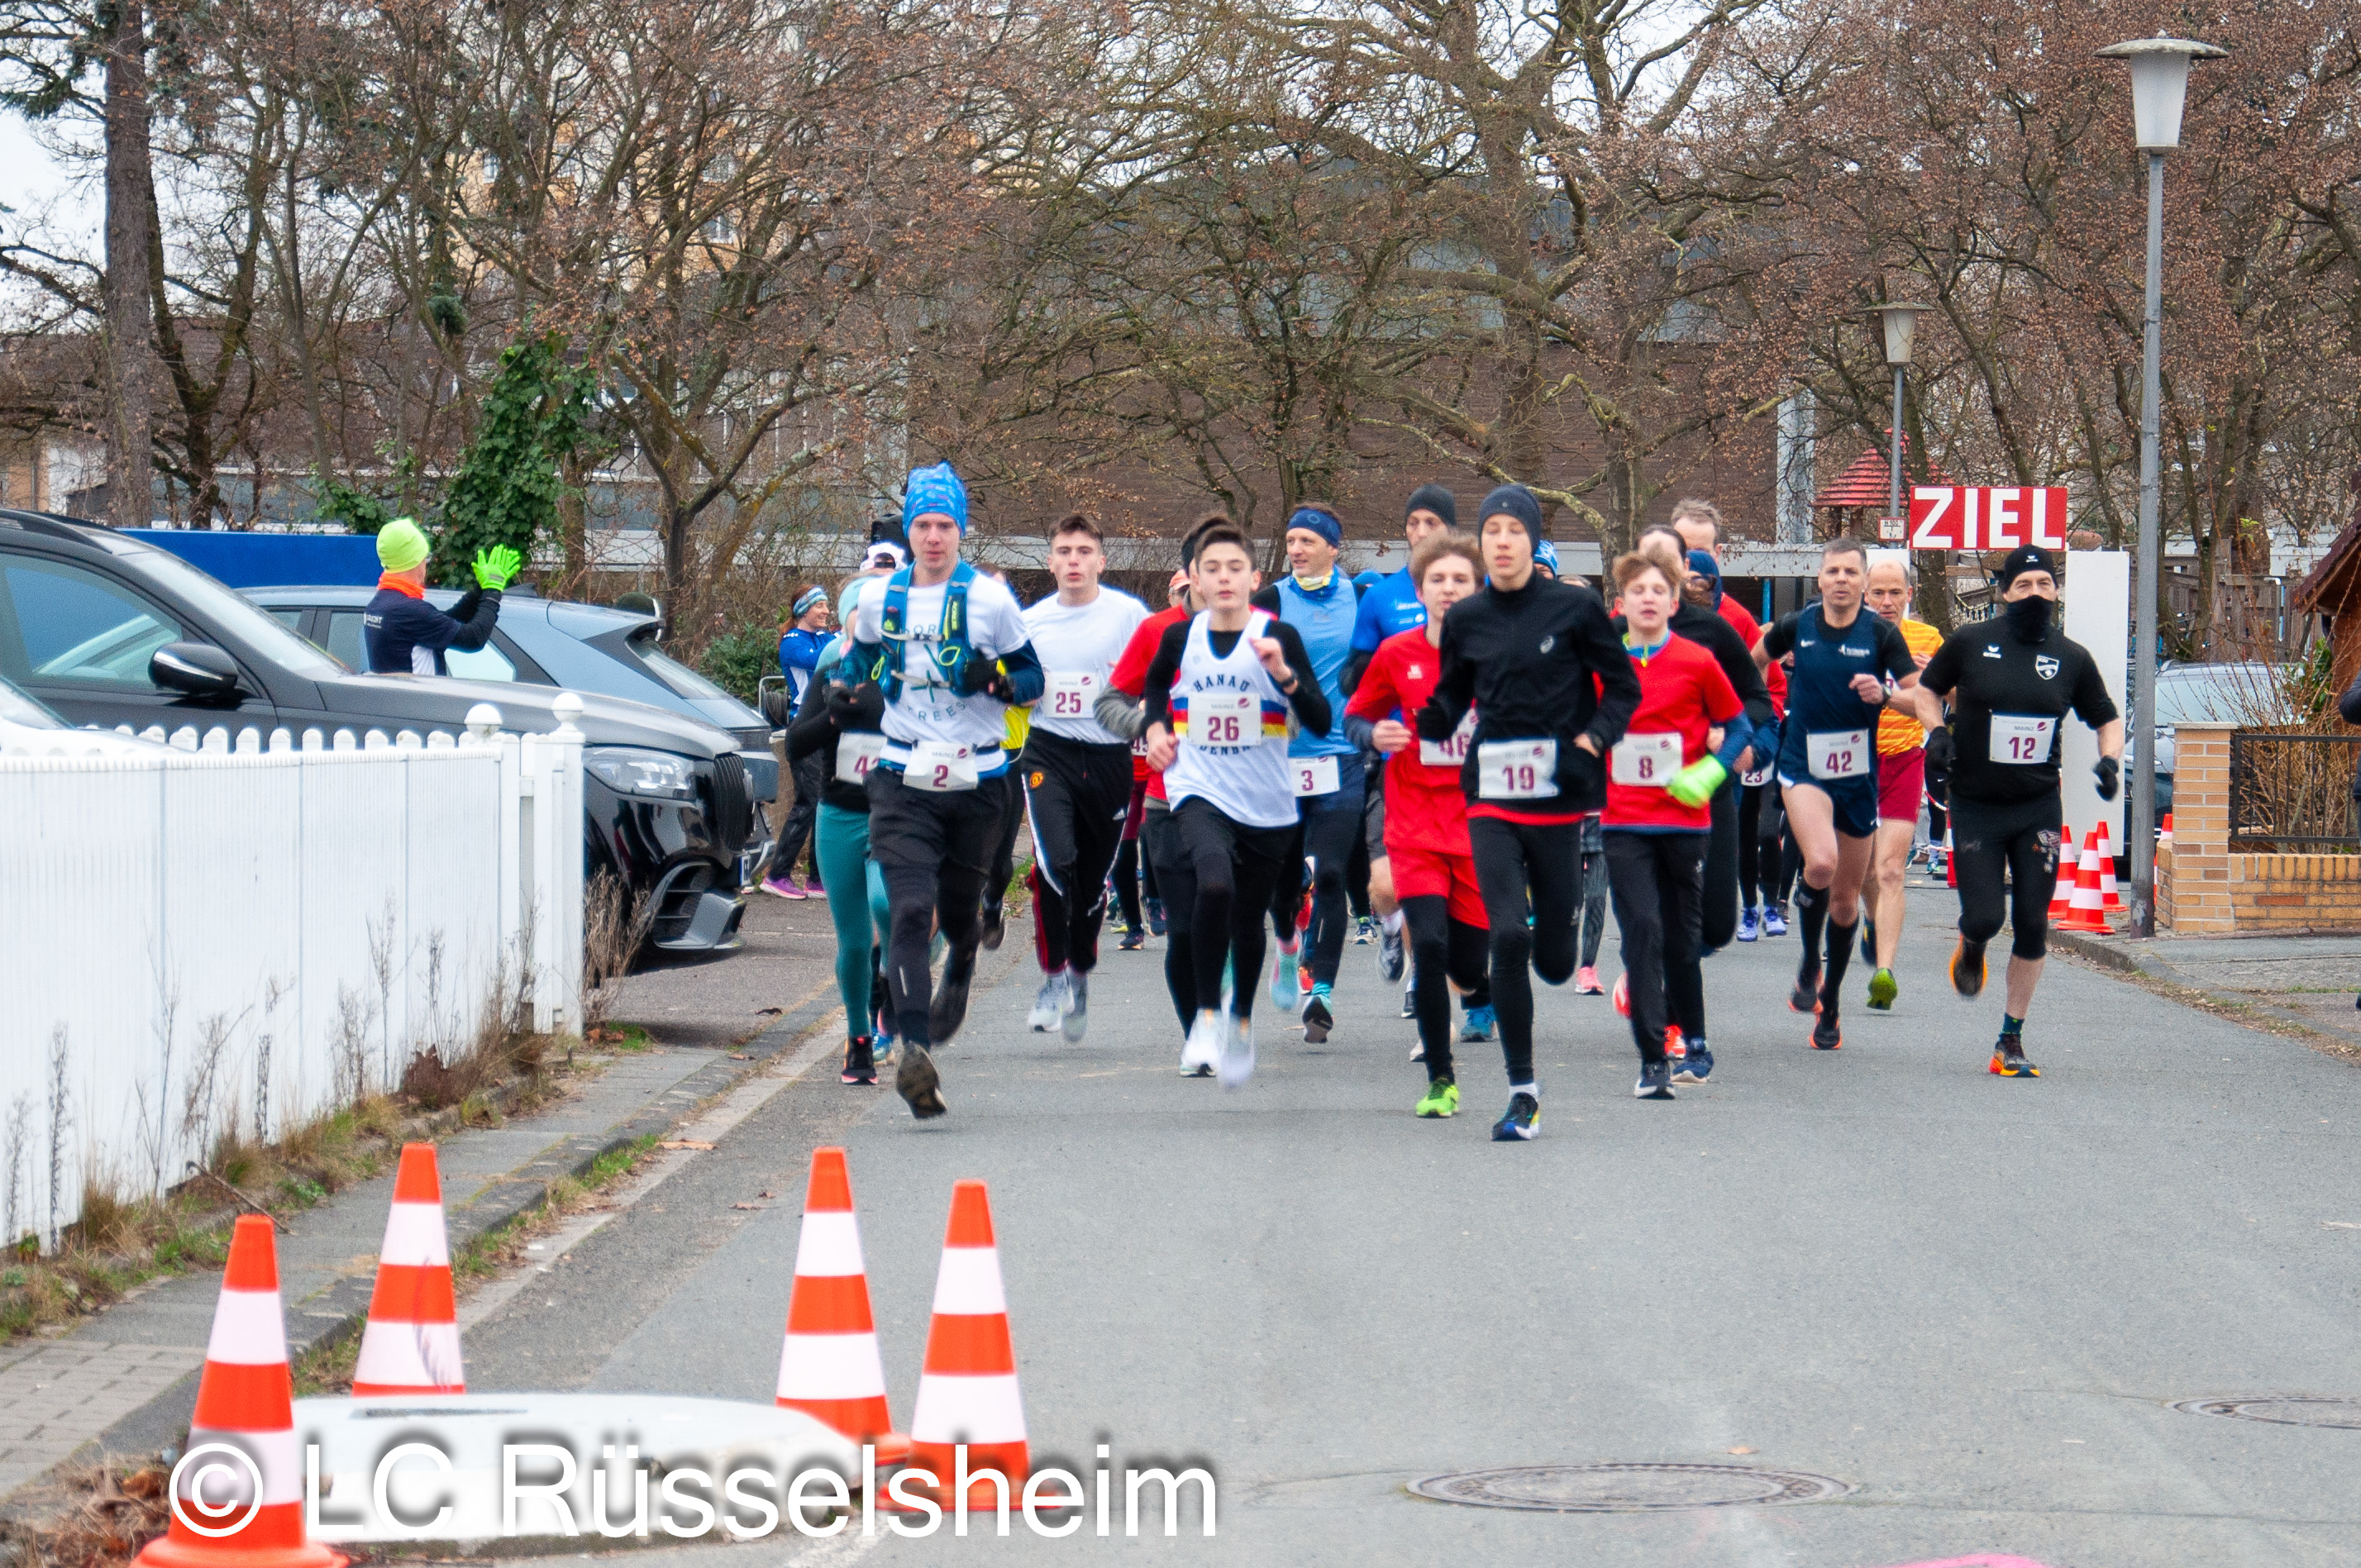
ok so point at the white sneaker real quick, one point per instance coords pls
(1203, 1046)
(1238, 1053)
(1051, 1005)
(1286, 981)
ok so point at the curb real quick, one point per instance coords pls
(2114, 954)
(339, 1311)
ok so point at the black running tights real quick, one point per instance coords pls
(1226, 873)
(1525, 868)
(1659, 885)
(1447, 952)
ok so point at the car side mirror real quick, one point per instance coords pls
(198, 669)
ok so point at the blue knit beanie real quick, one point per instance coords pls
(1514, 501)
(936, 489)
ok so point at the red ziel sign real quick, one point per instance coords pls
(1987, 516)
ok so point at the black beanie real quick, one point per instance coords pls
(1517, 502)
(1436, 500)
(2022, 559)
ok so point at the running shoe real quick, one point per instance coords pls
(1750, 923)
(1868, 941)
(2008, 1059)
(1365, 931)
(1203, 1046)
(1477, 1025)
(1775, 919)
(860, 1066)
(994, 926)
(1049, 1005)
(1237, 1062)
(1676, 1048)
(783, 886)
(1968, 968)
(1521, 1121)
(1586, 982)
(1078, 1007)
(1805, 997)
(948, 1010)
(1317, 1019)
(1441, 1098)
(1156, 917)
(1393, 953)
(1409, 1000)
(1655, 1082)
(1286, 982)
(917, 1081)
(1622, 997)
(1698, 1065)
(1883, 989)
(1418, 1050)
(1826, 1035)
(1134, 938)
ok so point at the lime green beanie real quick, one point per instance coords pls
(400, 545)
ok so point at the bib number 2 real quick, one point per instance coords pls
(1516, 770)
(939, 767)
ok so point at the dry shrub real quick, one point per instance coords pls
(109, 1511)
(614, 923)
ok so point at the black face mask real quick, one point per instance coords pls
(2028, 618)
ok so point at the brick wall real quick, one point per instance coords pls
(2202, 888)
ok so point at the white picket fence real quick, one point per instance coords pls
(242, 934)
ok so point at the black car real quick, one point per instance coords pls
(109, 631)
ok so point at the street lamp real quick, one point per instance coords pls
(1900, 323)
(2159, 90)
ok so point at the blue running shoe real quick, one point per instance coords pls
(1655, 1082)
(1156, 917)
(1698, 1066)
(1522, 1121)
(1477, 1025)
(1750, 921)
(1774, 920)
(1286, 986)
(1317, 1020)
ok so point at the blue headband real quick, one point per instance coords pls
(809, 597)
(935, 489)
(1316, 521)
(1545, 554)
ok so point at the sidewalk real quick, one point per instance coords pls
(2306, 980)
(124, 1381)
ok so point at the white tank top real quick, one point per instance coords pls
(1248, 782)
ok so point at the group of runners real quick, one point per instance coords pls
(1505, 751)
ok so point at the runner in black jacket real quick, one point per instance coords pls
(1553, 690)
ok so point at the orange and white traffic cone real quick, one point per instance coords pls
(1950, 861)
(968, 1392)
(2061, 897)
(2089, 911)
(411, 1344)
(238, 1493)
(2165, 833)
(828, 1368)
(2109, 899)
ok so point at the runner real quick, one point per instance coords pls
(1015, 725)
(1901, 781)
(1827, 768)
(2011, 683)
(1321, 604)
(1690, 728)
(803, 632)
(1218, 694)
(946, 648)
(1592, 846)
(1076, 774)
(835, 733)
(1426, 817)
(1120, 714)
(1553, 690)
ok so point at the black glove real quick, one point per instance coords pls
(2110, 775)
(1940, 750)
(856, 707)
(977, 674)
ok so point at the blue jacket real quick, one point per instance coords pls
(407, 636)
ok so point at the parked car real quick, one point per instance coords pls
(107, 630)
(2200, 693)
(28, 727)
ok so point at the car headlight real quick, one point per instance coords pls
(627, 768)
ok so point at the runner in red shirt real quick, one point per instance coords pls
(1661, 778)
(1426, 809)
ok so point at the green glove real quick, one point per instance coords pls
(1694, 785)
(497, 566)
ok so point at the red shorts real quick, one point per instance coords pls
(1900, 782)
(1428, 873)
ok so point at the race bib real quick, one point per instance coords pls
(1449, 753)
(1516, 770)
(1313, 776)
(1647, 760)
(856, 753)
(1068, 695)
(1139, 744)
(939, 767)
(1838, 753)
(2022, 739)
(1756, 778)
(1225, 719)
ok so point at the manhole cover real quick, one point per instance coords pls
(1627, 1488)
(2283, 1410)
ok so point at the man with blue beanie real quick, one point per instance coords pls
(946, 650)
(1321, 604)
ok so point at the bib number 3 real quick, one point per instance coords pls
(1838, 753)
(1516, 770)
(1314, 775)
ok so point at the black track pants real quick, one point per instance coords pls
(1076, 797)
(1447, 952)
(1659, 884)
(1721, 869)
(1522, 868)
(1226, 873)
(933, 850)
(1160, 843)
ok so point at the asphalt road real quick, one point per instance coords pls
(1973, 1301)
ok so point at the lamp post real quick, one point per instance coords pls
(1901, 324)
(2159, 90)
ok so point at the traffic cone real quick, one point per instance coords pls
(2165, 833)
(2061, 897)
(411, 1344)
(828, 1368)
(1950, 861)
(2088, 913)
(968, 1392)
(2109, 899)
(247, 1504)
